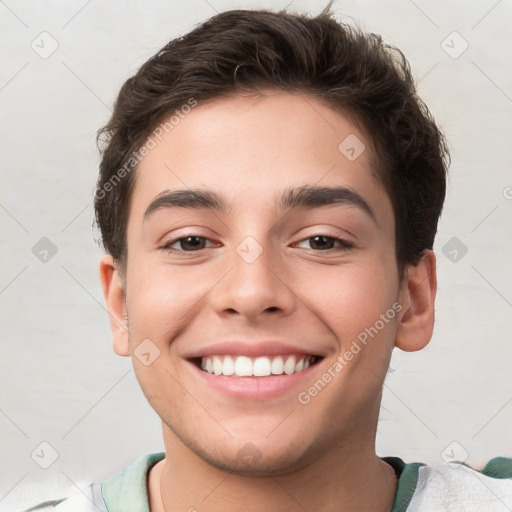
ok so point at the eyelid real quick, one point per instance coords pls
(344, 244)
(167, 245)
(185, 231)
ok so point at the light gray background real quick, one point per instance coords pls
(60, 380)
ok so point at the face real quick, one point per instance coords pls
(248, 308)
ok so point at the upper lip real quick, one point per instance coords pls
(249, 349)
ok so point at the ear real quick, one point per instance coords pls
(115, 299)
(417, 297)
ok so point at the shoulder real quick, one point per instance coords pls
(459, 487)
(86, 500)
(124, 491)
(129, 487)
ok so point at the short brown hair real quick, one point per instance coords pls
(250, 50)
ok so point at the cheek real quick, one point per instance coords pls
(350, 299)
(160, 301)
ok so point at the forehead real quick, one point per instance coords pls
(251, 147)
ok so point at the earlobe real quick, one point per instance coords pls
(116, 305)
(417, 297)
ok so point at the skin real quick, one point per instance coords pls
(319, 456)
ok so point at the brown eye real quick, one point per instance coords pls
(325, 243)
(322, 242)
(186, 244)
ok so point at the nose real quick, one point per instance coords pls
(254, 287)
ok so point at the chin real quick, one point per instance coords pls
(258, 458)
(264, 465)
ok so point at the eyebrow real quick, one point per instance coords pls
(292, 198)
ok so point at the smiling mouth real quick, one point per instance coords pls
(263, 366)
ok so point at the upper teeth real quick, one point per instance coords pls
(243, 366)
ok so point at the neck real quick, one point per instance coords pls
(340, 480)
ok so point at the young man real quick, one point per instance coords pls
(268, 198)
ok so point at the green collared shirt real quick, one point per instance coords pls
(452, 487)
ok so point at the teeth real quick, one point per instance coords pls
(217, 365)
(277, 365)
(289, 365)
(262, 367)
(228, 367)
(243, 366)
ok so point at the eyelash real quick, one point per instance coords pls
(344, 244)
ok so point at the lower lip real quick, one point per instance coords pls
(255, 388)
